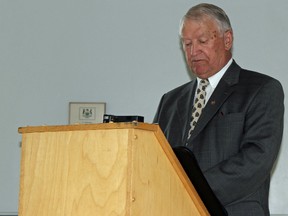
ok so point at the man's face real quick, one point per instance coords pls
(206, 49)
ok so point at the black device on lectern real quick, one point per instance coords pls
(114, 118)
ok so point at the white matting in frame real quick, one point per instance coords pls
(86, 112)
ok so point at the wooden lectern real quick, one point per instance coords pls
(110, 169)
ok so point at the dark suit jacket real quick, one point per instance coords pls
(236, 139)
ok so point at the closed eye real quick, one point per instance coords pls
(203, 41)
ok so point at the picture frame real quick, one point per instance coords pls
(86, 112)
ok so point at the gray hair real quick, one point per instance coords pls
(200, 11)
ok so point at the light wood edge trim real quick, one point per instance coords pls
(79, 127)
(129, 197)
(181, 173)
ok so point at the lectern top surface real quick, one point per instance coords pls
(101, 126)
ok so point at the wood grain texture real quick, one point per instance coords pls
(107, 169)
(157, 188)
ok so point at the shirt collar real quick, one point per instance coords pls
(214, 80)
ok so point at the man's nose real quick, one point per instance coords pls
(194, 49)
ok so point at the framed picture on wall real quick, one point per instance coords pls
(86, 112)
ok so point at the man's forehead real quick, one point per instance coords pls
(197, 32)
(198, 27)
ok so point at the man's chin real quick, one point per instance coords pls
(199, 70)
(202, 74)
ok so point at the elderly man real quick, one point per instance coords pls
(231, 118)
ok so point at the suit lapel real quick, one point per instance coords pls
(184, 104)
(186, 101)
(223, 90)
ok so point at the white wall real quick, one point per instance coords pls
(125, 53)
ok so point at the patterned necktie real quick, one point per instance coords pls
(198, 104)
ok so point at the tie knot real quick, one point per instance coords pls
(204, 82)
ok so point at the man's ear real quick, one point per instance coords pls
(228, 39)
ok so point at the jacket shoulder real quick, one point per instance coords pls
(180, 90)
